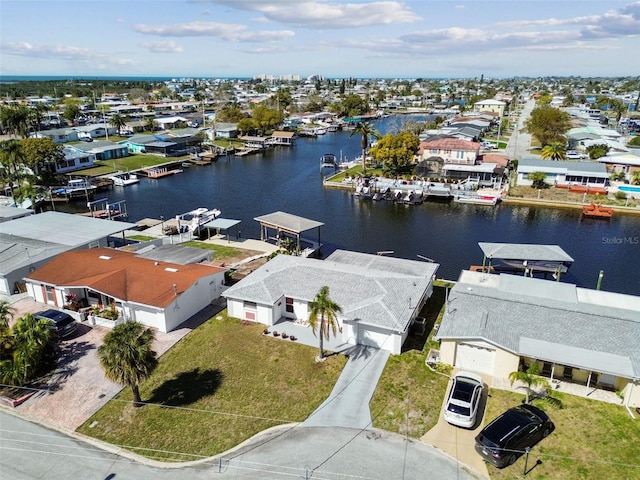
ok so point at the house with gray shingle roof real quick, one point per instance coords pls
(379, 296)
(496, 324)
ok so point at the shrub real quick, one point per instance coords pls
(621, 195)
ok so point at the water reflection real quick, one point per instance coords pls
(289, 179)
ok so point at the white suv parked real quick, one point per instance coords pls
(573, 155)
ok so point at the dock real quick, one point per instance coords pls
(159, 172)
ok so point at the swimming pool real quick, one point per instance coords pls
(633, 191)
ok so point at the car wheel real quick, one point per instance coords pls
(546, 433)
(512, 460)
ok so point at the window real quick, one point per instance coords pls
(50, 294)
(289, 302)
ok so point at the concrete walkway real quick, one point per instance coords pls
(348, 404)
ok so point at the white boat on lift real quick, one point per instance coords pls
(124, 179)
(195, 219)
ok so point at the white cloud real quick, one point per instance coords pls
(78, 55)
(225, 31)
(611, 24)
(326, 15)
(45, 51)
(162, 47)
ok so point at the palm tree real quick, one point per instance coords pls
(554, 151)
(530, 376)
(323, 317)
(118, 121)
(32, 340)
(365, 130)
(127, 356)
(150, 124)
(6, 313)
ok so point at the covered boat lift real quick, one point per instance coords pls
(529, 258)
(283, 222)
(223, 224)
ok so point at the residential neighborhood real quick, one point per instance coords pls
(342, 290)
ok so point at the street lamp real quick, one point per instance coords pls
(162, 221)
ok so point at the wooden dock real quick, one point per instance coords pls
(159, 172)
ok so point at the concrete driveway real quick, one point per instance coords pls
(460, 442)
(348, 403)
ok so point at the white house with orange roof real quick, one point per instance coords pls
(155, 293)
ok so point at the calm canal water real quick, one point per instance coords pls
(289, 179)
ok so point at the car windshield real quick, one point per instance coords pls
(459, 409)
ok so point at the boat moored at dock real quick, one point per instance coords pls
(124, 179)
(76, 188)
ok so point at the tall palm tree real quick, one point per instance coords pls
(6, 314)
(127, 356)
(323, 317)
(554, 151)
(365, 130)
(530, 377)
(118, 121)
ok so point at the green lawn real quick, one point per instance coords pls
(220, 251)
(130, 163)
(592, 440)
(228, 381)
(409, 395)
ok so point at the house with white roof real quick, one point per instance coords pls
(497, 324)
(379, 296)
(564, 173)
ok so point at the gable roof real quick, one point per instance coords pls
(378, 291)
(122, 275)
(547, 320)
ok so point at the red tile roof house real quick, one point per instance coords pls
(155, 293)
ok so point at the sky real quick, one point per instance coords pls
(330, 38)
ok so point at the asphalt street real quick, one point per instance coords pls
(321, 453)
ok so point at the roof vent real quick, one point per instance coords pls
(169, 269)
(104, 257)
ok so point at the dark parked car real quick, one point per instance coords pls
(506, 437)
(63, 324)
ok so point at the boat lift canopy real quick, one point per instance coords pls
(288, 223)
(527, 257)
(223, 224)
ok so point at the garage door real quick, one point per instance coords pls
(372, 338)
(474, 358)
